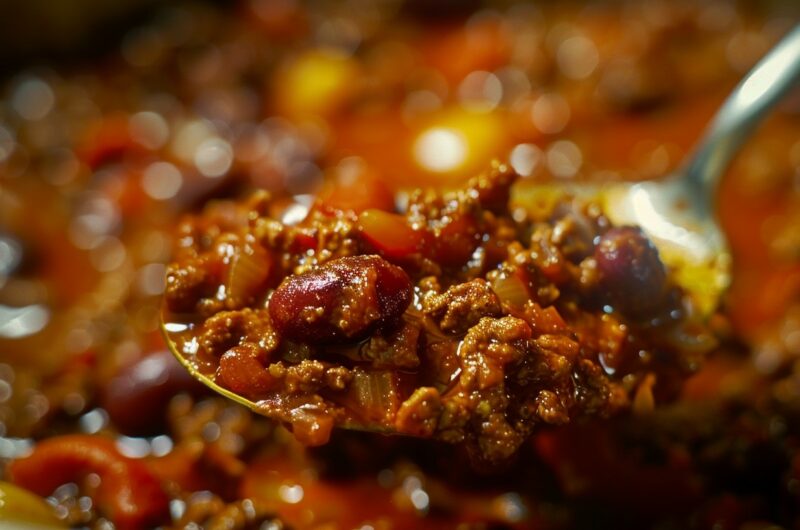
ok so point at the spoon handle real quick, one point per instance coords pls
(747, 105)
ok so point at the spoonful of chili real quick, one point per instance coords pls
(470, 317)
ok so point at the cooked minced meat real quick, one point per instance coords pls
(463, 318)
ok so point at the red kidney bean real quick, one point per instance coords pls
(130, 493)
(136, 396)
(341, 300)
(632, 274)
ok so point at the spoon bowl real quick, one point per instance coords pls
(678, 212)
(690, 243)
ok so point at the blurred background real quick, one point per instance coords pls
(117, 118)
(156, 106)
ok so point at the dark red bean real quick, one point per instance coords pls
(632, 274)
(341, 300)
(130, 495)
(136, 396)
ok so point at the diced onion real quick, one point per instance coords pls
(249, 270)
(511, 290)
(374, 395)
(389, 233)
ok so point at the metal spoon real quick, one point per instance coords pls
(677, 213)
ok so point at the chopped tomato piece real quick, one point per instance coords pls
(240, 371)
(389, 233)
(356, 188)
(544, 319)
(303, 241)
(130, 494)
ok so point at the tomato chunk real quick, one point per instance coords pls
(389, 233)
(357, 192)
(130, 494)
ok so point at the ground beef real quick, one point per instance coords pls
(467, 317)
(462, 305)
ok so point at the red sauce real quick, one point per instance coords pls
(199, 107)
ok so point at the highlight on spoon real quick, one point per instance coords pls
(693, 247)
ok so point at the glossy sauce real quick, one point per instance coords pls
(98, 164)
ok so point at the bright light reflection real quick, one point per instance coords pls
(660, 227)
(175, 327)
(133, 447)
(33, 99)
(213, 157)
(10, 256)
(577, 57)
(420, 500)
(294, 214)
(151, 370)
(440, 149)
(291, 494)
(525, 158)
(763, 77)
(19, 322)
(162, 180)
(564, 158)
(11, 448)
(150, 129)
(480, 91)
